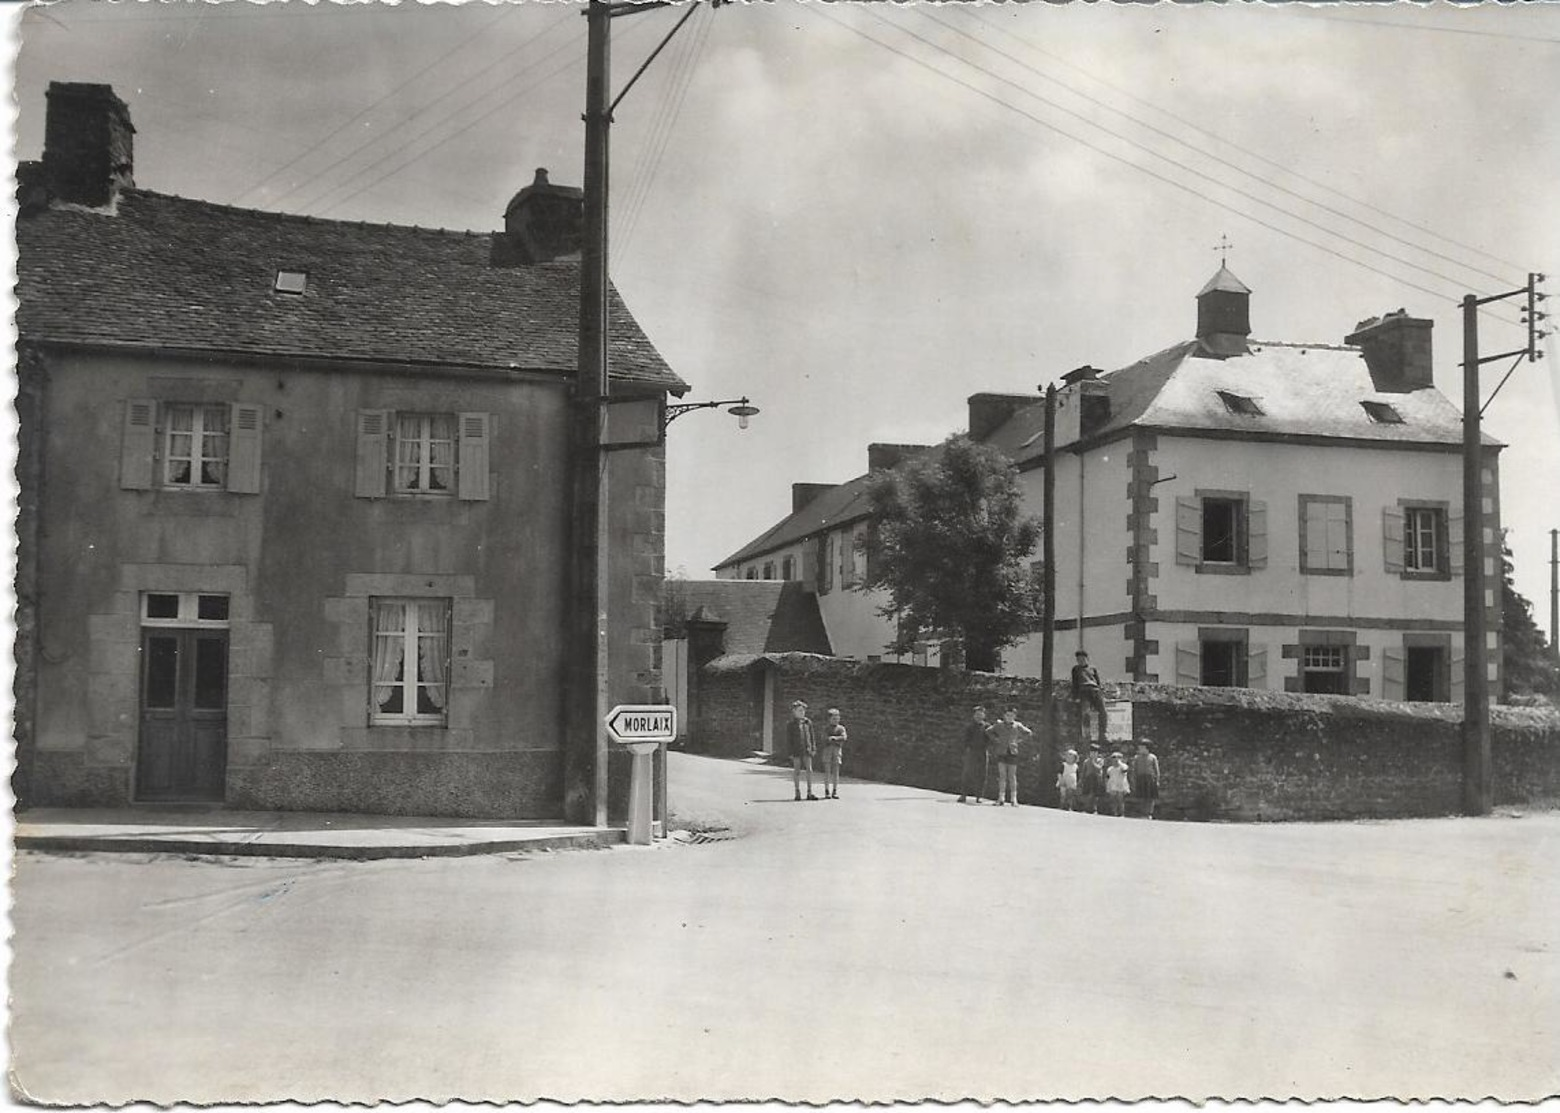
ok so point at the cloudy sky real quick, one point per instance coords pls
(860, 215)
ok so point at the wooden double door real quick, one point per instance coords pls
(182, 752)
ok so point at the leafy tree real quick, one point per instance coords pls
(1528, 664)
(950, 550)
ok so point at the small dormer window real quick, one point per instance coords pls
(1383, 413)
(1240, 404)
(291, 282)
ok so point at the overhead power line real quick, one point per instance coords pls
(317, 144)
(505, 59)
(1476, 269)
(1183, 187)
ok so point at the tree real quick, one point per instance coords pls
(1527, 663)
(950, 550)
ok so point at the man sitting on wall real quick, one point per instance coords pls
(1088, 691)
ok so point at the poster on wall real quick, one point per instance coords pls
(1118, 720)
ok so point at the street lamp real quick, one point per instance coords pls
(741, 409)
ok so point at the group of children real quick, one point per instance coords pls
(803, 743)
(1081, 785)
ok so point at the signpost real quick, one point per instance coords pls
(643, 728)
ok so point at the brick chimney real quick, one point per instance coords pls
(804, 493)
(1223, 316)
(543, 222)
(1397, 351)
(88, 144)
(989, 412)
(881, 457)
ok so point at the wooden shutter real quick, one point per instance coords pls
(373, 440)
(825, 564)
(1188, 531)
(140, 445)
(1394, 672)
(1454, 544)
(243, 471)
(1256, 666)
(1256, 534)
(1392, 537)
(810, 566)
(1459, 681)
(473, 481)
(1188, 664)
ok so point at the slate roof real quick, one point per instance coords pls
(1304, 390)
(761, 616)
(847, 502)
(174, 273)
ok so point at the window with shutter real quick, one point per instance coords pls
(139, 445)
(244, 449)
(1326, 535)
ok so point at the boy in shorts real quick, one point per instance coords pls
(802, 742)
(833, 753)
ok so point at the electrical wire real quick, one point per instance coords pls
(1218, 158)
(317, 144)
(1237, 190)
(506, 58)
(1183, 187)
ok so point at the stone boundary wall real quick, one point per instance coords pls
(1224, 753)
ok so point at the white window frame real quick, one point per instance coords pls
(197, 459)
(424, 441)
(410, 681)
(189, 609)
(1414, 549)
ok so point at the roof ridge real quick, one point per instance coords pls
(303, 218)
(1302, 345)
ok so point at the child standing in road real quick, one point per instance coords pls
(1145, 778)
(802, 741)
(1067, 780)
(833, 753)
(1117, 783)
(1091, 779)
(1005, 737)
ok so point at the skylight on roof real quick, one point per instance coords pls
(1240, 404)
(291, 282)
(1383, 413)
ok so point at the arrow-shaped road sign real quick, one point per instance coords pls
(643, 723)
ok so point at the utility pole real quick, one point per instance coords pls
(1048, 567)
(1477, 790)
(1554, 593)
(585, 666)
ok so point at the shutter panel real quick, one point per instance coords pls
(243, 472)
(825, 564)
(1459, 681)
(1394, 670)
(140, 445)
(1256, 666)
(1256, 534)
(373, 438)
(1454, 544)
(810, 566)
(1188, 531)
(1188, 664)
(472, 484)
(1392, 537)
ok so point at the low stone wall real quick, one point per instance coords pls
(1224, 753)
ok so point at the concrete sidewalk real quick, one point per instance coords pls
(215, 831)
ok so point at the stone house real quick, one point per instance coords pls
(1234, 512)
(295, 508)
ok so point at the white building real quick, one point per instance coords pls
(1236, 512)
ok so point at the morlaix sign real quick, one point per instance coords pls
(642, 723)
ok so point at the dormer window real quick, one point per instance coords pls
(1383, 413)
(1240, 404)
(291, 282)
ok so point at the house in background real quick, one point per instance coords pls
(708, 620)
(1262, 514)
(294, 497)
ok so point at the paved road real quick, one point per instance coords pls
(891, 944)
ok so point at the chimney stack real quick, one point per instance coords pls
(989, 412)
(88, 144)
(1397, 351)
(804, 493)
(881, 457)
(543, 222)
(1223, 316)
